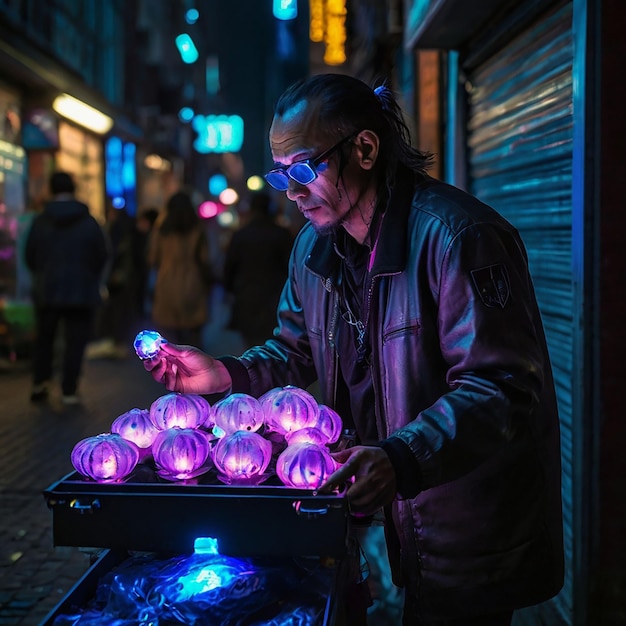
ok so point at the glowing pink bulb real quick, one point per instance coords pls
(136, 426)
(181, 453)
(309, 434)
(105, 458)
(182, 410)
(289, 408)
(329, 422)
(304, 465)
(238, 411)
(242, 458)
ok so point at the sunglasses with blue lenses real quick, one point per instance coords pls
(303, 172)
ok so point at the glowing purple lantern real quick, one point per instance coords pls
(305, 465)
(181, 453)
(242, 458)
(239, 411)
(105, 458)
(288, 409)
(182, 410)
(147, 343)
(136, 426)
(329, 422)
(310, 434)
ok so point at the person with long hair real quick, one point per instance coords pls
(410, 303)
(180, 255)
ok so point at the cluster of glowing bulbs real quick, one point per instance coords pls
(237, 436)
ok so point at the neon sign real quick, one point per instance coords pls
(218, 133)
(327, 23)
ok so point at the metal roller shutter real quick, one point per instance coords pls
(520, 134)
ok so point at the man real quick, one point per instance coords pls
(66, 252)
(411, 303)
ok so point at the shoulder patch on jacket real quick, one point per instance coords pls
(492, 284)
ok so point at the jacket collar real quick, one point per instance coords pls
(391, 251)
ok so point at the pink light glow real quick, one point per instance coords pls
(105, 458)
(288, 409)
(238, 411)
(181, 453)
(307, 435)
(304, 465)
(242, 458)
(136, 426)
(180, 410)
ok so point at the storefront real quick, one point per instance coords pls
(15, 313)
(513, 138)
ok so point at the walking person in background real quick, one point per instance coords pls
(66, 253)
(114, 320)
(179, 253)
(411, 303)
(255, 270)
(142, 289)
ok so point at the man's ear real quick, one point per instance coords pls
(367, 144)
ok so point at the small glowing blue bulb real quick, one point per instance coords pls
(147, 343)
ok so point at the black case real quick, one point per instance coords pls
(263, 520)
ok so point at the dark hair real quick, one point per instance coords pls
(61, 182)
(348, 105)
(181, 216)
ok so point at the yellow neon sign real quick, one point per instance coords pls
(328, 24)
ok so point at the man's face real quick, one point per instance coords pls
(330, 198)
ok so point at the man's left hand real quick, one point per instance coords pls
(374, 483)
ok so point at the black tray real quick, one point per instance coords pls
(159, 516)
(329, 588)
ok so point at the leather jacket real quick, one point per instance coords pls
(463, 386)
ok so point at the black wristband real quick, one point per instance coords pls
(405, 465)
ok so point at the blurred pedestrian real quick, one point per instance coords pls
(179, 253)
(113, 328)
(142, 289)
(66, 252)
(255, 270)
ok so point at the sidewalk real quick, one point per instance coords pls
(35, 446)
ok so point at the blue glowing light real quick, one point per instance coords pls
(129, 173)
(114, 165)
(147, 343)
(212, 576)
(121, 173)
(186, 114)
(191, 16)
(187, 48)
(217, 184)
(218, 133)
(218, 432)
(285, 9)
(205, 545)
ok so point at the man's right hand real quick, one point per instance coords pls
(188, 370)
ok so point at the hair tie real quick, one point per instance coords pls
(385, 97)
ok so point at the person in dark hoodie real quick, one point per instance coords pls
(66, 252)
(255, 270)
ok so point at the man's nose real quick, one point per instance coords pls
(295, 190)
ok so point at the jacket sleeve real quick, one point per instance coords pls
(492, 343)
